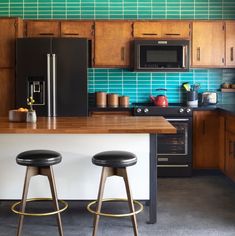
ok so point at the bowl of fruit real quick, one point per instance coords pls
(18, 115)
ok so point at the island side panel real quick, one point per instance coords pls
(76, 177)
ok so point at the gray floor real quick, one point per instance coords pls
(197, 206)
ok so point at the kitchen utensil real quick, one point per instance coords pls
(101, 99)
(160, 100)
(186, 86)
(196, 87)
(209, 98)
(113, 100)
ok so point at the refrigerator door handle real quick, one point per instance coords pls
(49, 84)
(54, 83)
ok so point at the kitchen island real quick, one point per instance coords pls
(78, 139)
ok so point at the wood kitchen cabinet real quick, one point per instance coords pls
(11, 28)
(162, 29)
(112, 43)
(45, 28)
(230, 147)
(206, 139)
(230, 43)
(208, 43)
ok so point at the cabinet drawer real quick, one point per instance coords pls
(43, 28)
(230, 124)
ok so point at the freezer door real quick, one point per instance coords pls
(70, 58)
(33, 73)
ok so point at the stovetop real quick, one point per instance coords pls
(149, 109)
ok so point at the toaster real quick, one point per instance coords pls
(209, 98)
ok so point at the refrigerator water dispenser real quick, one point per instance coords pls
(36, 90)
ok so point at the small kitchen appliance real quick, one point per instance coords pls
(161, 100)
(209, 98)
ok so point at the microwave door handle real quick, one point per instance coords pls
(184, 55)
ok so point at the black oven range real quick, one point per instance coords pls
(174, 150)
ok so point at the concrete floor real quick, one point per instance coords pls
(199, 206)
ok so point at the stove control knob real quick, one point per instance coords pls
(181, 110)
(188, 110)
(146, 110)
(138, 110)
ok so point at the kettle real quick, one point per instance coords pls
(160, 100)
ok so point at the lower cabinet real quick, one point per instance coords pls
(230, 147)
(206, 139)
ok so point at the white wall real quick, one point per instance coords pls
(76, 177)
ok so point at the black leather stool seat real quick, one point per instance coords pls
(115, 159)
(38, 158)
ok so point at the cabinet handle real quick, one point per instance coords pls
(122, 53)
(198, 54)
(231, 53)
(149, 34)
(70, 34)
(46, 33)
(203, 127)
(172, 34)
(233, 149)
(230, 148)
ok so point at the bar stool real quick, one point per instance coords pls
(114, 163)
(39, 162)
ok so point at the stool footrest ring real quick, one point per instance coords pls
(141, 207)
(39, 214)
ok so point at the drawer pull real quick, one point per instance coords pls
(46, 33)
(172, 34)
(70, 34)
(149, 34)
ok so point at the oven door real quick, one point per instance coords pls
(176, 149)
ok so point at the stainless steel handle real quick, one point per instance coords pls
(184, 56)
(49, 84)
(177, 119)
(54, 84)
(173, 166)
(198, 54)
(122, 53)
(231, 54)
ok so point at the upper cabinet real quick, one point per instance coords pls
(11, 28)
(230, 43)
(112, 43)
(162, 29)
(81, 29)
(208, 44)
(47, 28)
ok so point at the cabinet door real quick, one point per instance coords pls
(147, 29)
(112, 43)
(8, 33)
(83, 29)
(230, 44)
(175, 29)
(208, 44)
(42, 28)
(206, 139)
(7, 91)
(230, 155)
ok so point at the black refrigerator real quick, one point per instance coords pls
(54, 72)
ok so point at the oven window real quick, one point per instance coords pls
(174, 144)
(156, 56)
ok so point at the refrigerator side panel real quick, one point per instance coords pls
(70, 63)
(32, 73)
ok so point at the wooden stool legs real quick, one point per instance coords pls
(30, 172)
(106, 172)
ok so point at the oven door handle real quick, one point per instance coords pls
(172, 165)
(177, 119)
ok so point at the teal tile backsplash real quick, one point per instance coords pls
(137, 85)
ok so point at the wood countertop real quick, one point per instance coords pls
(89, 125)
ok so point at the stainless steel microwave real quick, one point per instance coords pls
(160, 55)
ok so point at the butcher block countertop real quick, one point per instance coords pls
(89, 125)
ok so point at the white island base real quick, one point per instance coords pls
(76, 177)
